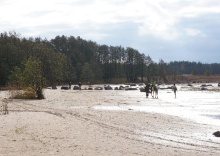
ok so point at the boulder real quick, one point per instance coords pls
(116, 88)
(108, 88)
(121, 88)
(189, 84)
(90, 87)
(203, 85)
(216, 134)
(76, 88)
(203, 88)
(130, 88)
(64, 88)
(142, 89)
(98, 88)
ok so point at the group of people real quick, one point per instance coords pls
(152, 86)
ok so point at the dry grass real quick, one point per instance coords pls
(4, 107)
(28, 93)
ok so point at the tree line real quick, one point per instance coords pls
(195, 68)
(41, 62)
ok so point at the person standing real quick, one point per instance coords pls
(69, 85)
(147, 89)
(152, 85)
(80, 84)
(174, 89)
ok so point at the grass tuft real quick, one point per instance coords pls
(28, 93)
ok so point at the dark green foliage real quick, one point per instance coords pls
(69, 59)
(195, 68)
(32, 77)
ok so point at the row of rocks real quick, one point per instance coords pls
(106, 87)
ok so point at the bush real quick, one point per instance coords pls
(28, 93)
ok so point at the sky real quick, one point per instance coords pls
(171, 30)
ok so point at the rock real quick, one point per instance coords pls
(116, 88)
(90, 87)
(142, 89)
(203, 85)
(98, 88)
(216, 134)
(64, 88)
(108, 88)
(189, 84)
(130, 88)
(121, 88)
(203, 88)
(76, 88)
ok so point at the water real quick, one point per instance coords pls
(198, 106)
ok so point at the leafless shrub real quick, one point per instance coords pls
(4, 107)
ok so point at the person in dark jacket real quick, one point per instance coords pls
(174, 89)
(80, 84)
(147, 89)
(69, 85)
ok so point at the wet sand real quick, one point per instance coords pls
(92, 122)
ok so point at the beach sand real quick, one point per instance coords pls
(114, 123)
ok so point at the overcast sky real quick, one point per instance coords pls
(171, 30)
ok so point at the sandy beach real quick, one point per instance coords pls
(112, 123)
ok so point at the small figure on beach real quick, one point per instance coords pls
(147, 89)
(80, 84)
(174, 89)
(69, 85)
(151, 86)
(154, 92)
